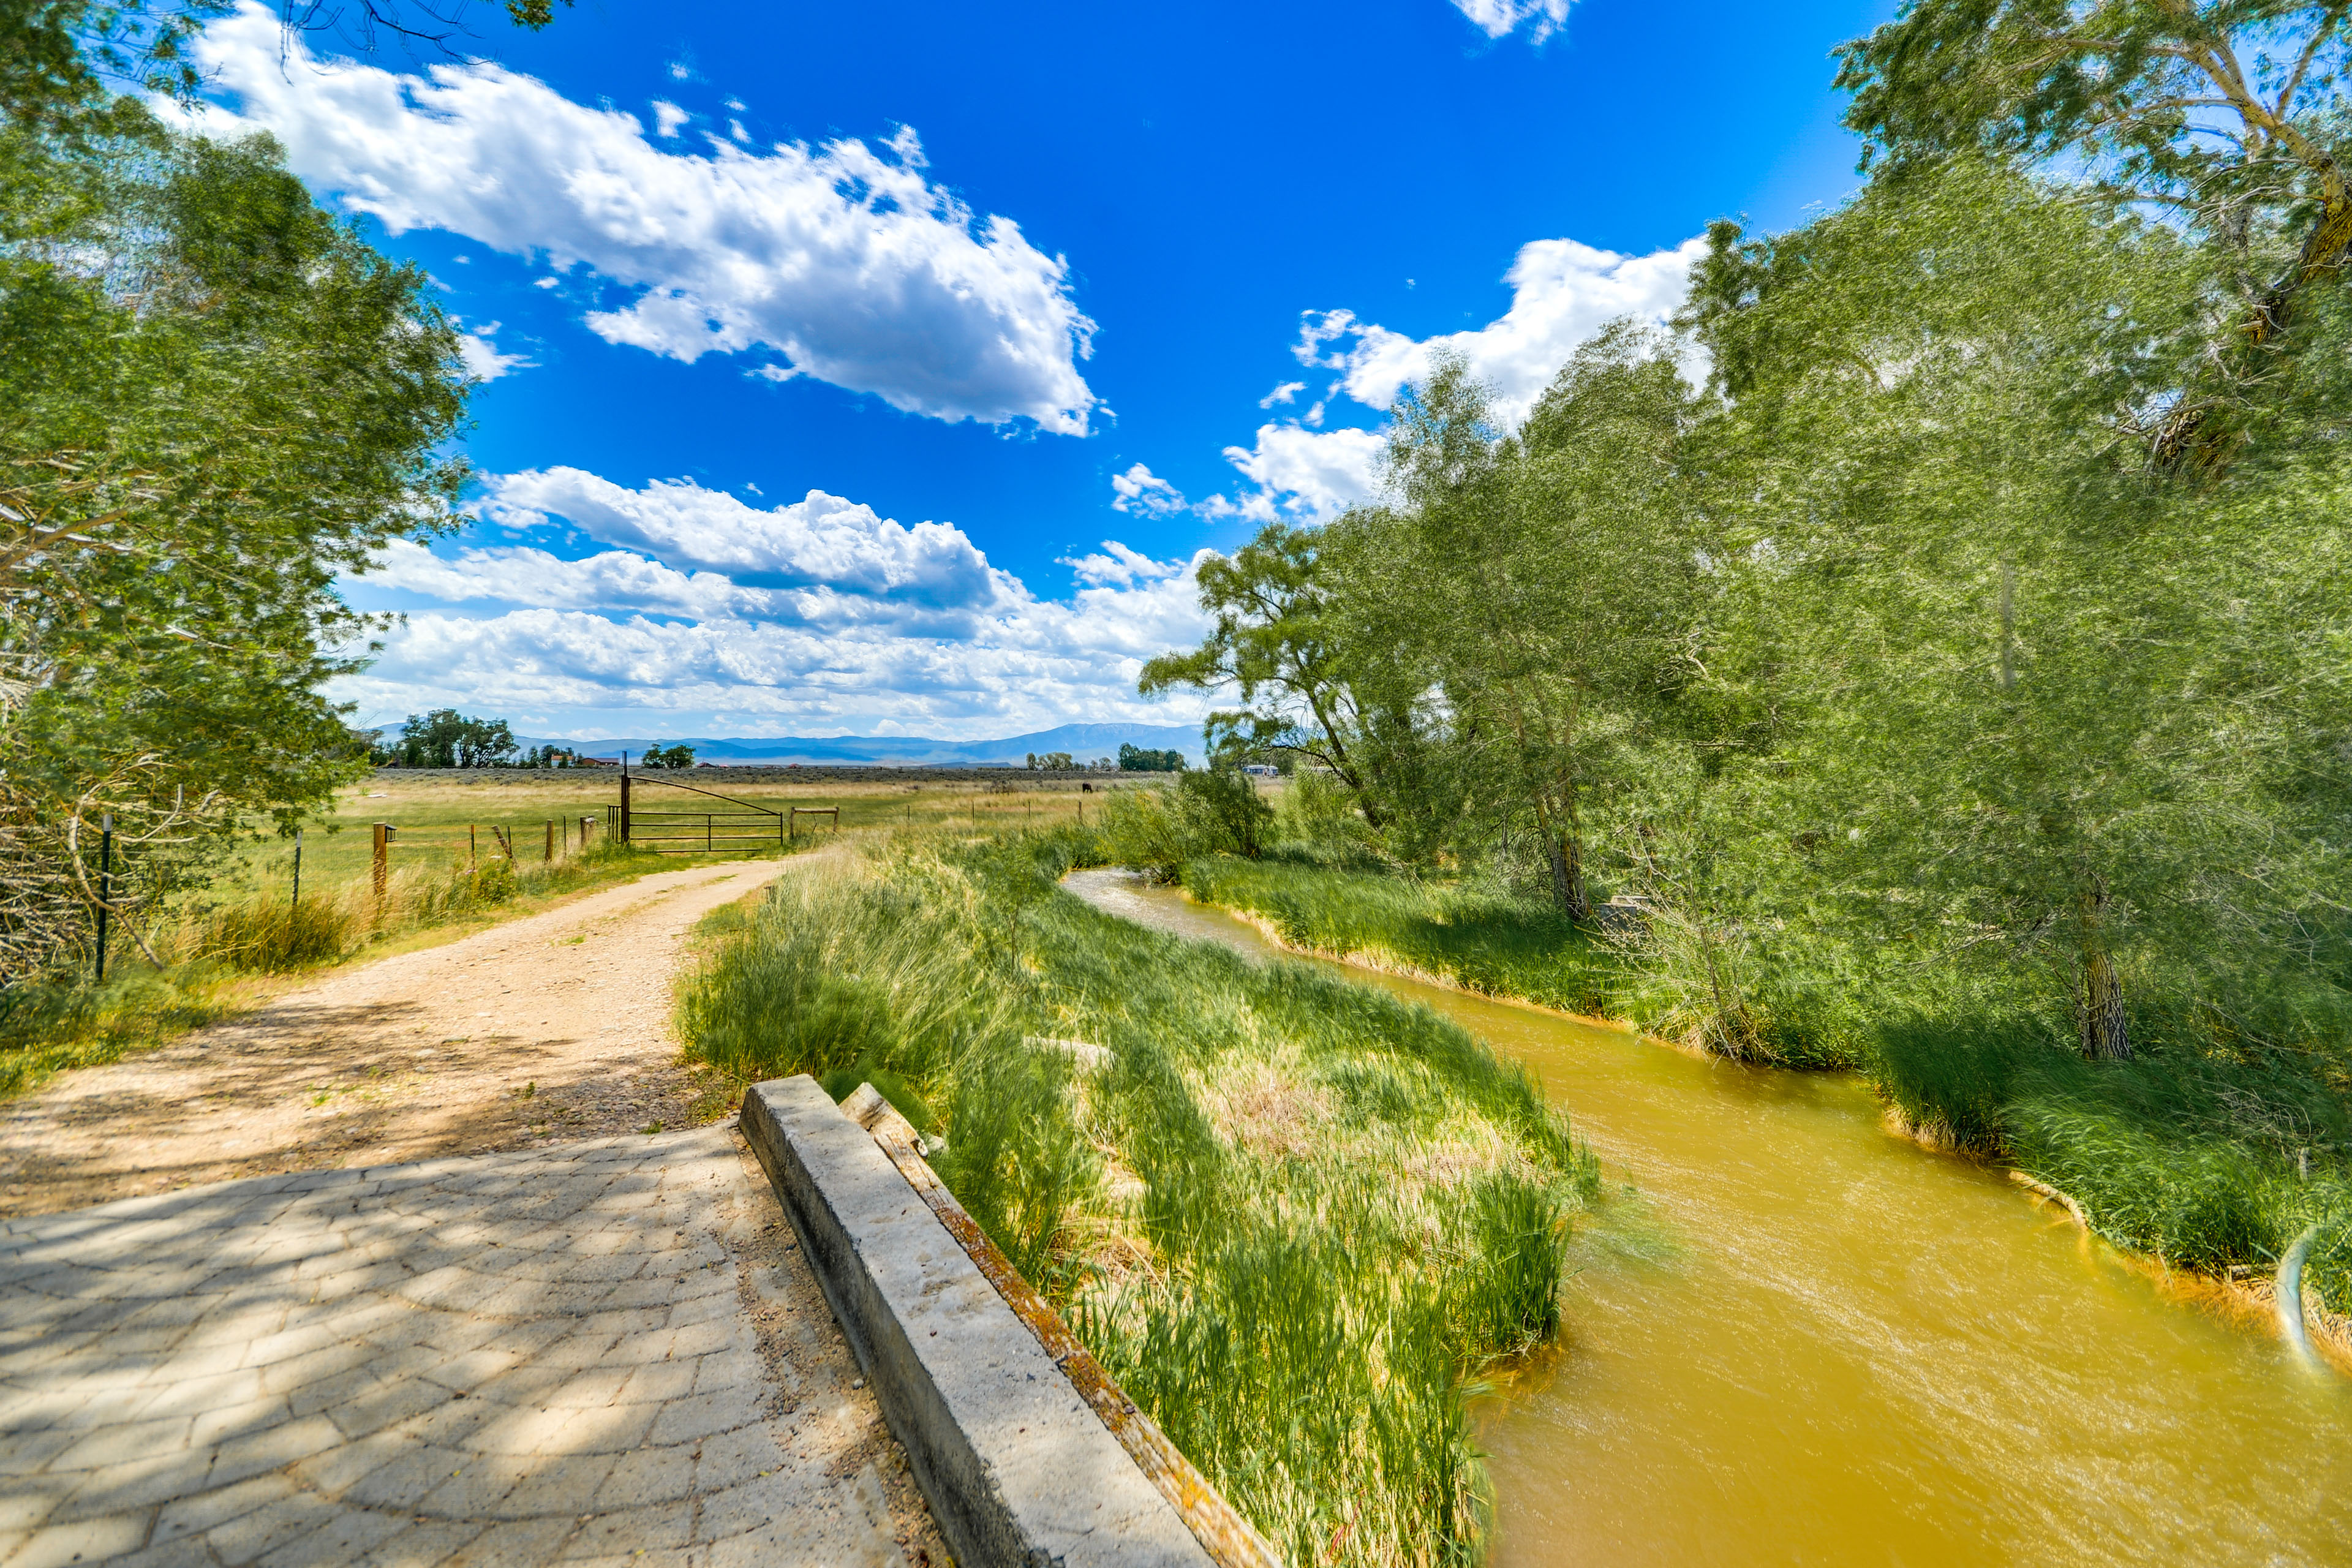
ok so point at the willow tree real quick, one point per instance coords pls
(1547, 573)
(2037, 701)
(2229, 115)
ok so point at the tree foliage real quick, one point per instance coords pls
(1891, 676)
(2230, 113)
(217, 400)
(447, 739)
(1133, 759)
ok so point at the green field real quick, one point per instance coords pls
(443, 821)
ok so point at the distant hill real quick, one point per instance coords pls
(1085, 743)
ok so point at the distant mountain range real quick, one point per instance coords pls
(1085, 743)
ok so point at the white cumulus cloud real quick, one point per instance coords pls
(1496, 19)
(1145, 493)
(820, 539)
(844, 259)
(1561, 294)
(1301, 474)
(1118, 563)
(817, 617)
(478, 348)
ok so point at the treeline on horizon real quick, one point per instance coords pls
(1956, 680)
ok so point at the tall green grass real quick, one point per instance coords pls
(1479, 939)
(51, 1027)
(2210, 1161)
(266, 931)
(1293, 1215)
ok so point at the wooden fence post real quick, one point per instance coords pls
(548, 858)
(105, 886)
(383, 832)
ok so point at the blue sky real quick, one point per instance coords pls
(875, 369)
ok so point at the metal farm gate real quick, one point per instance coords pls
(727, 825)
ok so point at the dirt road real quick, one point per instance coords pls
(554, 1027)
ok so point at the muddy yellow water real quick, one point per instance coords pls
(1793, 1338)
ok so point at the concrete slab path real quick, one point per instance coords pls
(608, 1352)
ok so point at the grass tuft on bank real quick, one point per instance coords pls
(1478, 939)
(1294, 1216)
(2209, 1161)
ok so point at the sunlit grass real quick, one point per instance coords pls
(1477, 938)
(1293, 1215)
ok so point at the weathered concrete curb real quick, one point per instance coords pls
(1018, 1471)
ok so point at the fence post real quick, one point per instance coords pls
(296, 912)
(625, 797)
(383, 832)
(706, 833)
(584, 833)
(548, 857)
(105, 885)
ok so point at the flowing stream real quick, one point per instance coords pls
(1793, 1337)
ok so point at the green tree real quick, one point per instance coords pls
(216, 400)
(1272, 645)
(1139, 760)
(2230, 112)
(2036, 711)
(1310, 660)
(446, 738)
(1546, 577)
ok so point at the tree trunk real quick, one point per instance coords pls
(1566, 858)
(2184, 440)
(2101, 1005)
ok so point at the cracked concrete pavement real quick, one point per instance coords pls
(604, 1353)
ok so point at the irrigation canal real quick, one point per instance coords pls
(1800, 1338)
